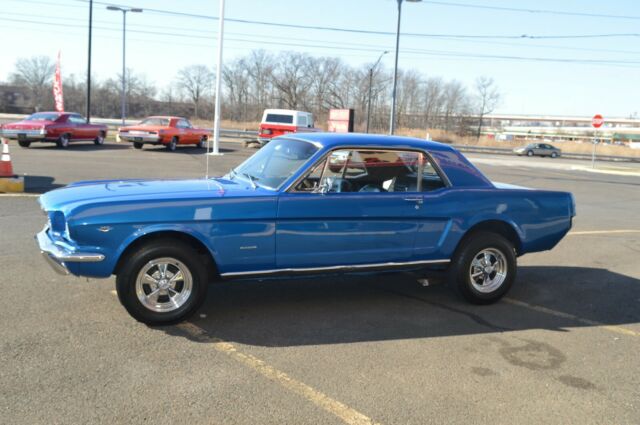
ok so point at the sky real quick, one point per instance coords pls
(586, 76)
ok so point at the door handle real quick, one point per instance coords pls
(417, 200)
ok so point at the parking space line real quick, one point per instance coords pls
(19, 195)
(556, 313)
(347, 414)
(601, 232)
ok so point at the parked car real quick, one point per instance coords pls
(538, 149)
(304, 204)
(276, 122)
(167, 131)
(60, 128)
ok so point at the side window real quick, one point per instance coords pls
(302, 121)
(76, 119)
(372, 171)
(186, 124)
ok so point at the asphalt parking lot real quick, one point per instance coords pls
(561, 348)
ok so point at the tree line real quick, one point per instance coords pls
(260, 80)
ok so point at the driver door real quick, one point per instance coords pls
(357, 206)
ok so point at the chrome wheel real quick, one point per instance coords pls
(164, 284)
(488, 270)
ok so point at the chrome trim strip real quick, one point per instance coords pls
(335, 268)
(143, 137)
(56, 256)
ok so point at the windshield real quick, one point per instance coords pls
(43, 116)
(156, 121)
(275, 162)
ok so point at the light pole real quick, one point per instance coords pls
(370, 84)
(124, 11)
(88, 114)
(392, 124)
(218, 94)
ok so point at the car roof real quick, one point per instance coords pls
(169, 117)
(333, 140)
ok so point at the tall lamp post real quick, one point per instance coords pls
(218, 94)
(371, 84)
(88, 112)
(124, 11)
(392, 125)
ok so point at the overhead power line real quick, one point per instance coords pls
(530, 11)
(373, 32)
(421, 52)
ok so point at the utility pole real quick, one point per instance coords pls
(370, 85)
(88, 111)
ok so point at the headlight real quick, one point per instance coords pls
(43, 130)
(57, 222)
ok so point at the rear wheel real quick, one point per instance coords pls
(24, 143)
(484, 267)
(203, 142)
(137, 145)
(63, 141)
(99, 140)
(162, 282)
(171, 146)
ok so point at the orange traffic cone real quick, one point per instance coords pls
(6, 170)
(9, 182)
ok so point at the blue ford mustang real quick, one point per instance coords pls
(313, 203)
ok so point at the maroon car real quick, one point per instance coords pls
(59, 127)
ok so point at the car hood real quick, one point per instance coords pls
(131, 191)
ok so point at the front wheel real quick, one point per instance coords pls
(171, 146)
(554, 155)
(529, 153)
(137, 145)
(203, 142)
(484, 268)
(24, 143)
(163, 282)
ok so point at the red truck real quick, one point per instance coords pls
(276, 122)
(60, 128)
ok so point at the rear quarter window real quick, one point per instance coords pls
(279, 119)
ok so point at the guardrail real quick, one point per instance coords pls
(252, 134)
(509, 151)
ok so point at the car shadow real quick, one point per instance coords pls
(341, 310)
(40, 184)
(81, 146)
(188, 150)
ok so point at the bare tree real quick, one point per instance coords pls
(196, 82)
(292, 79)
(35, 73)
(236, 81)
(487, 98)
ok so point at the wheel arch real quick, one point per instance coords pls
(172, 234)
(500, 227)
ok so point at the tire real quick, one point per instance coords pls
(63, 141)
(529, 153)
(171, 146)
(137, 145)
(170, 305)
(24, 143)
(554, 155)
(100, 139)
(469, 260)
(202, 143)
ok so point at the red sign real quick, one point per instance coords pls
(340, 121)
(597, 121)
(57, 88)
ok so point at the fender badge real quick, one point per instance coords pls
(104, 229)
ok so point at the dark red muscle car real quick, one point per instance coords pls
(58, 127)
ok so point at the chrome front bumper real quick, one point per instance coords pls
(57, 255)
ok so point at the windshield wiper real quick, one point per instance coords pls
(252, 179)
